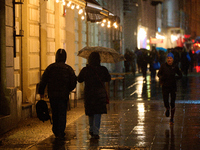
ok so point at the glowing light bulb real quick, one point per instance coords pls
(69, 3)
(82, 17)
(80, 11)
(108, 25)
(115, 25)
(73, 6)
(102, 24)
(104, 20)
(77, 6)
(57, 1)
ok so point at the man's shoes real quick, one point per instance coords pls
(60, 136)
(167, 113)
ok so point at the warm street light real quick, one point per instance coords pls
(80, 11)
(102, 24)
(77, 6)
(82, 17)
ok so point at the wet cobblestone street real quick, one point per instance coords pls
(136, 121)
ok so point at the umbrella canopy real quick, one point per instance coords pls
(108, 55)
(161, 49)
(197, 51)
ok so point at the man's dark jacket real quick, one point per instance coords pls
(168, 75)
(59, 78)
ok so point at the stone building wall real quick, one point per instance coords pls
(8, 100)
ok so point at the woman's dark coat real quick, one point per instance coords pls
(168, 75)
(94, 91)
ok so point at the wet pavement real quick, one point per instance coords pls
(136, 121)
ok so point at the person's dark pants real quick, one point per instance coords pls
(94, 122)
(139, 67)
(59, 113)
(144, 71)
(127, 66)
(153, 73)
(166, 91)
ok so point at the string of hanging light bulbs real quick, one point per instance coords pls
(108, 23)
(81, 11)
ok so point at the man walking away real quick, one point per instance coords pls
(60, 80)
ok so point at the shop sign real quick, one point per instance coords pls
(155, 41)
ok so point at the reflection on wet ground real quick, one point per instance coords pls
(138, 121)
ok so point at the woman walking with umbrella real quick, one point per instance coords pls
(94, 75)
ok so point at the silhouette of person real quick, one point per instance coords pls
(167, 75)
(60, 80)
(94, 75)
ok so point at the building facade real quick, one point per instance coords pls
(178, 21)
(191, 8)
(31, 33)
(139, 23)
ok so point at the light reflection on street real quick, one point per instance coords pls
(138, 121)
(139, 128)
(141, 89)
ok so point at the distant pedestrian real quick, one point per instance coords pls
(192, 61)
(94, 75)
(145, 60)
(154, 58)
(185, 62)
(176, 53)
(60, 80)
(167, 75)
(127, 62)
(162, 57)
(138, 59)
(132, 62)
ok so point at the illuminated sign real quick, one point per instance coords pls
(155, 41)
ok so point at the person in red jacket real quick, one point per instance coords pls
(168, 74)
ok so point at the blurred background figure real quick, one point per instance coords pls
(185, 61)
(138, 59)
(192, 61)
(144, 61)
(154, 58)
(129, 63)
(162, 57)
(176, 51)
